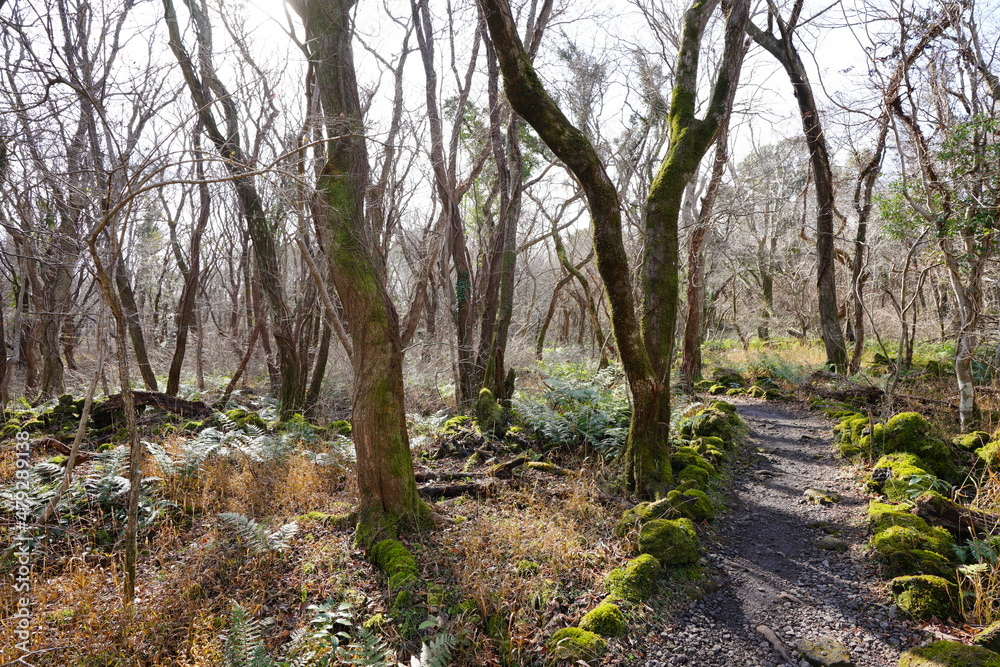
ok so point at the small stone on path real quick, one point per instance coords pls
(825, 652)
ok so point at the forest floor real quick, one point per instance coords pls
(769, 571)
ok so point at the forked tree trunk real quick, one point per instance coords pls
(646, 454)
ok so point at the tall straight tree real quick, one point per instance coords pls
(782, 47)
(387, 493)
(645, 349)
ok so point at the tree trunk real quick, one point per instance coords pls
(690, 370)
(646, 454)
(387, 495)
(205, 91)
(191, 273)
(784, 52)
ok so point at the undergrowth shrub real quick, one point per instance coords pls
(576, 409)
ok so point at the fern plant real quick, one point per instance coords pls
(256, 537)
(243, 645)
(577, 411)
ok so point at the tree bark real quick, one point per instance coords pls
(387, 495)
(690, 370)
(784, 51)
(207, 89)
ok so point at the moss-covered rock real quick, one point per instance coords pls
(903, 538)
(910, 432)
(949, 654)
(922, 597)
(670, 541)
(633, 517)
(821, 496)
(574, 645)
(710, 448)
(719, 420)
(900, 476)
(757, 392)
(606, 620)
(919, 561)
(635, 581)
(688, 456)
(850, 428)
(989, 454)
(728, 376)
(884, 515)
(396, 561)
(718, 390)
(340, 427)
(692, 504)
(989, 637)
(696, 475)
(971, 441)
(243, 418)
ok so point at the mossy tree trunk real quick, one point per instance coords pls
(782, 48)
(645, 350)
(387, 494)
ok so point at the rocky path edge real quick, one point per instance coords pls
(791, 568)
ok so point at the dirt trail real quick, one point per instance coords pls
(770, 571)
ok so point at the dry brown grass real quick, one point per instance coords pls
(191, 571)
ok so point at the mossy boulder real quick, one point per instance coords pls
(632, 517)
(729, 377)
(718, 390)
(919, 561)
(904, 538)
(894, 474)
(340, 427)
(635, 581)
(718, 420)
(704, 385)
(694, 474)
(692, 504)
(910, 432)
(242, 418)
(883, 515)
(971, 441)
(605, 619)
(670, 541)
(949, 654)
(396, 561)
(989, 454)
(575, 645)
(849, 429)
(710, 449)
(989, 637)
(689, 456)
(922, 597)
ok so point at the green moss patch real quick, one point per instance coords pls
(606, 620)
(396, 561)
(635, 581)
(910, 432)
(672, 542)
(949, 654)
(574, 645)
(923, 597)
(903, 538)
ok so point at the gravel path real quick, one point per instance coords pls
(769, 571)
